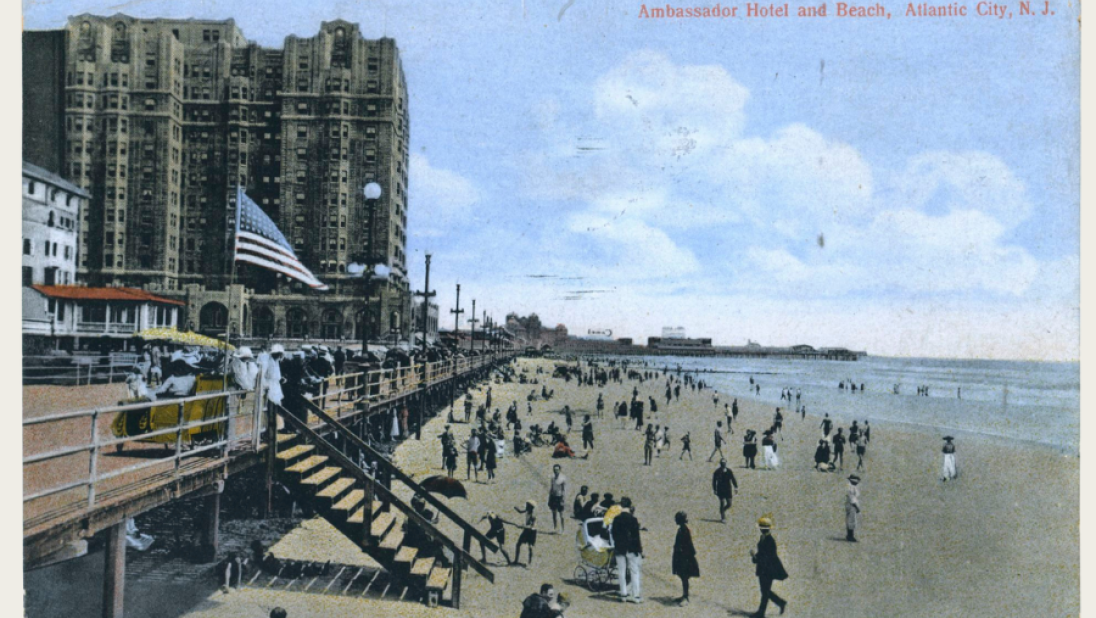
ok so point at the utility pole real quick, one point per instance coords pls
(456, 317)
(473, 321)
(426, 295)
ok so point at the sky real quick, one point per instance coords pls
(904, 186)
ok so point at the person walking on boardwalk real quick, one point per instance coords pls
(629, 552)
(557, 496)
(684, 562)
(487, 403)
(686, 446)
(852, 508)
(949, 459)
(749, 448)
(839, 449)
(600, 404)
(495, 532)
(528, 536)
(827, 426)
(587, 433)
(768, 568)
(718, 439)
(724, 486)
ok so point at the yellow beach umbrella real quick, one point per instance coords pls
(183, 338)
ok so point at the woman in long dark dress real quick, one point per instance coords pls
(749, 447)
(684, 558)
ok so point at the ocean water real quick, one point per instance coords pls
(1015, 400)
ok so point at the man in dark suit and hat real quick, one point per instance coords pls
(769, 568)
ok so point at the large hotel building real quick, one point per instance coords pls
(159, 121)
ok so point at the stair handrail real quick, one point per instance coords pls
(361, 475)
(404, 478)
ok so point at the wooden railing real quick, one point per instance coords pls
(375, 490)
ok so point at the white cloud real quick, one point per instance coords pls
(438, 198)
(683, 198)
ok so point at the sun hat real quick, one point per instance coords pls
(854, 479)
(765, 522)
(244, 352)
(277, 348)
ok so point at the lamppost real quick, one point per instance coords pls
(426, 295)
(371, 269)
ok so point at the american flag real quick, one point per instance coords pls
(259, 242)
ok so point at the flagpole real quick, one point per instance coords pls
(232, 282)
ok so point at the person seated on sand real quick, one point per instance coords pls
(564, 450)
(822, 456)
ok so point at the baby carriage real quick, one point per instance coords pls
(596, 564)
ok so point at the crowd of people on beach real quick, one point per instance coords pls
(641, 413)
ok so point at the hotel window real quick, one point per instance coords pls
(28, 248)
(28, 276)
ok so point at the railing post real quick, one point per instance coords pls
(257, 415)
(114, 573)
(367, 515)
(458, 567)
(93, 464)
(271, 455)
(178, 433)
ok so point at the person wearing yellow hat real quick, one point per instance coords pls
(768, 567)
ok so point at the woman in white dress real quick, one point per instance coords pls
(771, 460)
(949, 459)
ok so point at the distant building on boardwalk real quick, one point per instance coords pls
(431, 321)
(159, 120)
(51, 222)
(673, 332)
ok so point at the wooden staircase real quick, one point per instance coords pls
(342, 497)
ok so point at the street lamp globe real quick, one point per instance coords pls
(372, 191)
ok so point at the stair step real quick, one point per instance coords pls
(381, 524)
(393, 539)
(351, 500)
(377, 504)
(334, 490)
(286, 437)
(406, 554)
(322, 476)
(307, 465)
(294, 452)
(439, 577)
(422, 566)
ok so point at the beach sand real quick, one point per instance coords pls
(1000, 540)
